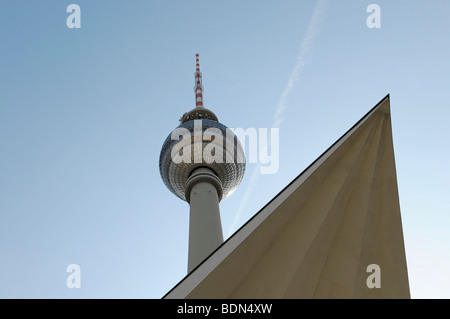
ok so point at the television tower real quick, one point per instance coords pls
(202, 162)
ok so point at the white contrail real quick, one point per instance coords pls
(302, 59)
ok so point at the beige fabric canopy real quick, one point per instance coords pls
(318, 236)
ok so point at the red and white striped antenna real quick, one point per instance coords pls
(198, 89)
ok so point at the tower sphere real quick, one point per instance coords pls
(210, 144)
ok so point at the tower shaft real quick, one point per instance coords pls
(205, 227)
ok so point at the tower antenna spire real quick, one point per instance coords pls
(198, 89)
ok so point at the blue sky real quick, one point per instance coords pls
(84, 113)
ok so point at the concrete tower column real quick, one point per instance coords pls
(203, 192)
(203, 184)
